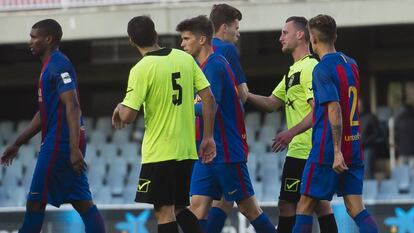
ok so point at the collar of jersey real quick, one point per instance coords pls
(159, 52)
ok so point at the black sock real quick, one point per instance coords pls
(286, 224)
(188, 222)
(327, 224)
(170, 227)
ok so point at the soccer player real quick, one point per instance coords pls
(163, 81)
(59, 176)
(227, 175)
(226, 19)
(295, 93)
(335, 163)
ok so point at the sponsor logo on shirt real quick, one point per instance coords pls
(66, 78)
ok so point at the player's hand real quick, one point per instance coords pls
(77, 161)
(207, 150)
(282, 140)
(116, 119)
(339, 164)
(9, 154)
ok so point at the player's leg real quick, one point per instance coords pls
(237, 186)
(357, 211)
(33, 218)
(218, 214)
(38, 194)
(203, 190)
(250, 208)
(304, 211)
(326, 218)
(90, 215)
(185, 218)
(289, 193)
(351, 190)
(165, 216)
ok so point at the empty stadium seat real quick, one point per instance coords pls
(97, 137)
(104, 124)
(121, 136)
(401, 174)
(252, 120)
(388, 189)
(370, 189)
(267, 133)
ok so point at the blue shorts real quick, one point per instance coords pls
(321, 182)
(230, 180)
(55, 182)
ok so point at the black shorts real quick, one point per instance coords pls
(165, 183)
(291, 179)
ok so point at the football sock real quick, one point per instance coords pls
(286, 224)
(203, 225)
(170, 227)
(262, 224)
(188, 221)
(215, 221)
(93, 221)
(303, 224)
(32, 222)
(327, 224)
(366, 223)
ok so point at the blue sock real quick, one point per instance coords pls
(32, 222)
(303, 224)
(93, 221)
(203, 224)
(262, 224)
(366, 223)
(215, 221)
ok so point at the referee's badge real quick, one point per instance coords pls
(143, 185)
(291, 185)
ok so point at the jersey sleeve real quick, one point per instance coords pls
(216, 74)
(306, 79)
(137, 89)
(280, 90)
(65, 80)
(234, 59)
(325, 86)
(200, 80)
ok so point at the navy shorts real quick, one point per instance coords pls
(321, 182)
(55, 182)
(230, 180)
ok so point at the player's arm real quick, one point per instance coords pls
(208, 146)
(243, 91)
(123, 115)
(264, 103)
(335, 119)
(32, 129)
(73, 114)
(282, 140)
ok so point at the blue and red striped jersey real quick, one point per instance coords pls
(229, 128)
(57, 77)
(231, 53)
(336, 78)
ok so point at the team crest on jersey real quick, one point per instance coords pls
(66, 77)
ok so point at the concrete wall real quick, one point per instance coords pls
(110, 21)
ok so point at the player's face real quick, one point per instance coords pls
(231, 33)
(38, 42)
(288, 38)
(190, 43)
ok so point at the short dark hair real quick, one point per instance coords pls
(51, 28)
(142, 32)
(326, 27)
(224, 14)
(301, 23)
(198, 25)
